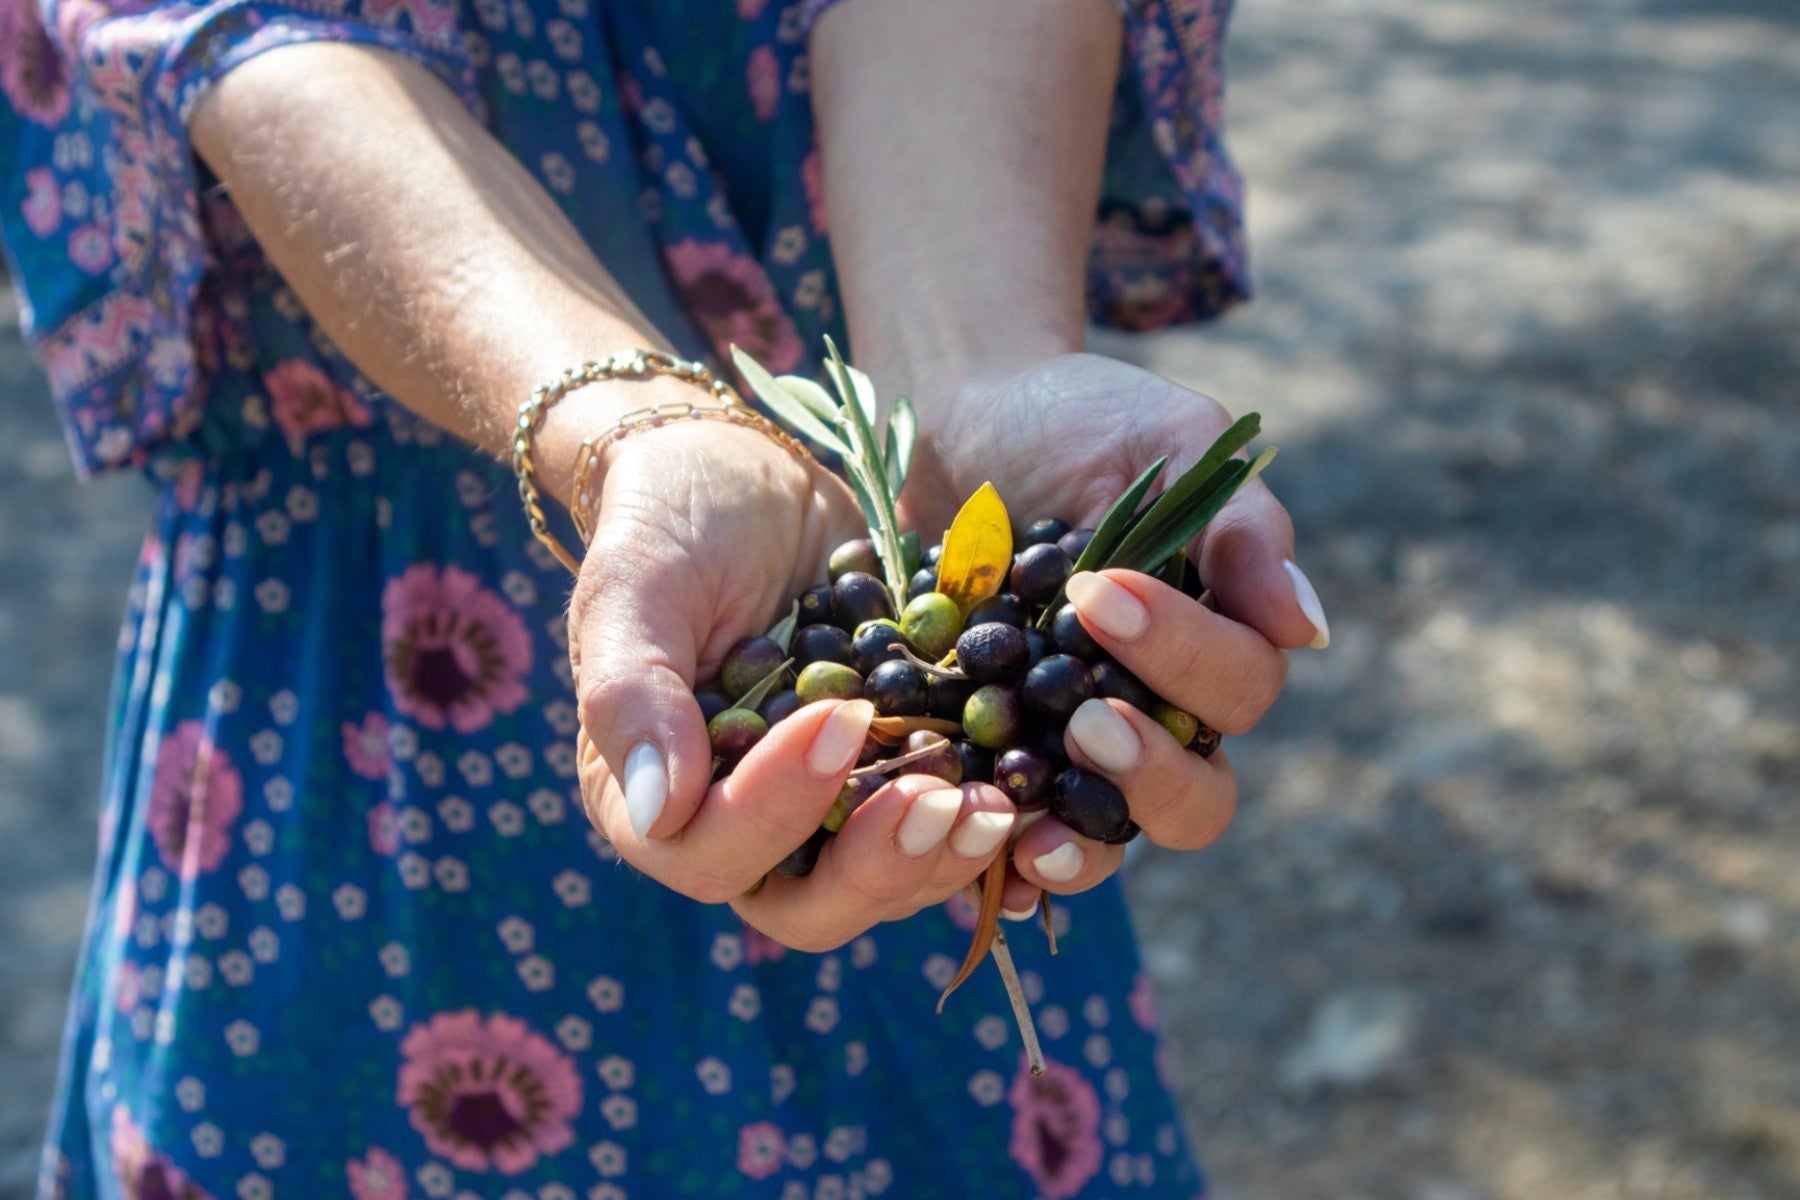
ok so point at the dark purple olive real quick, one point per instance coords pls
(1090, 805)
(855, 555)
(1205, 741)
(946, 697)
(896, 689)
(805, 856)
(1050, 741)
(933, 555)
(1057, 686)
(1026, 778)
(747, 662)
(924, 580)
(1004, 609)
(871, 753)
(977, 761)
(1130, 833)
(857, 597)
(873, 645)
(943, 762)
(993, 716)
(1116, 683)
(821, 643)
(780, 706)
(1043, 532)
(712, 702)
(1074, 542)
(1037, 645)
(992, 653)
(1070, 636)
(1039, 572)
(815, 605)
(733, 732)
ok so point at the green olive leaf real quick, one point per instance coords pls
(1187, 495)
(783, 631)
(1162, 537)
(784, 404)
(902, 431)
(764, 686)
(808, 392)
(1113, 527)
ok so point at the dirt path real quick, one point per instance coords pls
(1512, 909)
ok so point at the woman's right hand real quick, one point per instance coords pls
(705, 533)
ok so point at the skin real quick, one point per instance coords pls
(965, 293)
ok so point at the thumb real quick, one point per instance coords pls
(636, 621)
(1247, 559)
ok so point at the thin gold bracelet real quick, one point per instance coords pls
(636, 364)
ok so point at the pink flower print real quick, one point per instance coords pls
(306, 400)
(760, 947)
(764, 78)
(378, 1175)
(488, 1095)
(384, 830)
(455, 651)
(761, 1148)
(43, 202)
(733, 301)
(812, 180)
(749, 10)
(90, 249)
(142, 1173)
(1055, 1130)
(1142, 1003)
(32, 73)
(194, 801)
(366, 746)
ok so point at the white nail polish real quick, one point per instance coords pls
(1061, 864)
(981, 834)
(1010, 915)
(646, 786)
(927, 821)
(1105, 737)
(1309, 604)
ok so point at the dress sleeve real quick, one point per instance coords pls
(1168, 243)
(102, 211)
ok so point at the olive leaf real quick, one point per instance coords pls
(867, 470)
(1110, 532)
(782, 633)
(1164, 533)
(902, 431)
(809, 393)
(977, 550)
(1212, 472)
(785, 404)
(764, 686)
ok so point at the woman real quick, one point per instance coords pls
(347, 939)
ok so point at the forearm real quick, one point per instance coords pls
(417, 242)
(961, 231)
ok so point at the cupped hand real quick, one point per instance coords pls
(704, 534)
(1064, 438)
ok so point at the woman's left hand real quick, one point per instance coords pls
(1064, 438)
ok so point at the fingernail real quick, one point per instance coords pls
(1309, 604)
(1105, 737)
(981, 834)
(646, 786)
(840, 739)
(1061, 864)
(927, 821)
(1024, 915)
(1112, 608)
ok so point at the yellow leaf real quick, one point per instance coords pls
(977, 550)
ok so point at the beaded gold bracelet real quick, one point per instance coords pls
(636, 364)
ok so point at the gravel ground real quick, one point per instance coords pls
(1511, 908)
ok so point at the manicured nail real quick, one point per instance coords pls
(1105, 737)
(1309, 604)
(927, 820)
(839, 739)
(981, 834)
(646, 786)
(1061, 864)
(1025, 915)
(1111, 607)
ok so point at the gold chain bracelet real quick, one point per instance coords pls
(637, 364)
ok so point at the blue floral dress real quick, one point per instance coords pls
(351, 934)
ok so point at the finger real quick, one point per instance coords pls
(1223, 672)
(1179, 799)
(891, 858)
(772, 802)
(1054, 858)
(636, 627)
(1247, 559)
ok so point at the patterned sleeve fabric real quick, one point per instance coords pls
(103, 214)
(1169, 242)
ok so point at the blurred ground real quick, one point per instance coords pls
(1512, 909)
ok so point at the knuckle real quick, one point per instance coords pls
(1252, 696)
